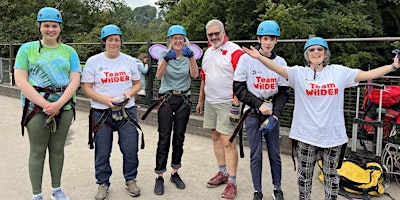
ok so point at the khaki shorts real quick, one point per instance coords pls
(216, 116)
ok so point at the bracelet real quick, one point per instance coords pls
(394, 68)
(233, 105)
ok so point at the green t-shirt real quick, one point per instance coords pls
(48, 68)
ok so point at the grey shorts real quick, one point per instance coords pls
(216, 116)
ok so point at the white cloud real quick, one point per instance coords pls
(140, 3)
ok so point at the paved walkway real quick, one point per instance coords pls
(198, 165)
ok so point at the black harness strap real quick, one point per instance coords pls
(25, 117)
(93, 127)
(152, 106)
(135, 123)
(294, 153)
(186, 101)
(36, 109)
(342, 154)
(239, 129)
(164, 99)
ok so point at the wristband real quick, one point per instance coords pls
(233, 105)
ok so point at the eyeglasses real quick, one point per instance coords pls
(212, 34)
(178, 38)
(319, 49)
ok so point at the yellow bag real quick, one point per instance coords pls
(358, 178)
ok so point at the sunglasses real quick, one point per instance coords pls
(178, 38)
(319, 49)
(212, 34)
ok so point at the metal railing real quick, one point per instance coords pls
(152, 85)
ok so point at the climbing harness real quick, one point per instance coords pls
(50, 121)
(163, 99)
(118, 113)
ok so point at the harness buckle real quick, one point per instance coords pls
(175, 92)
(267, 100)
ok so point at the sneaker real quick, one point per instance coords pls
(229, 192)
(277, 195)
(37, 197)
(175, 178)
(159, 186)
(217, 180)
(59, 195)
(132, 187)
(258, 196)
(102, 192)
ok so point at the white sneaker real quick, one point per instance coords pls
(59, 195)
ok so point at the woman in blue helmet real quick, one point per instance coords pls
(111, 80)
(47, 73)
(176, 68)
(264, 94)
(318, 121)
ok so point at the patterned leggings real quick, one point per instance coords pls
(307, 157)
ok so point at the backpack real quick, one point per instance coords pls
(364, 180)
(391, 110)
(390, 95)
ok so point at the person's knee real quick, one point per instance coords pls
(230, 146)
(216, 136)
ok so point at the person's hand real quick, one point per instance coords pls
(265, 109)
(234, 114)
(52, 109)
(171, 55)
(253, 52)
(269, 124)
(187, 52)
(199, 108)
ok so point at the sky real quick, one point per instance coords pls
(140, 3)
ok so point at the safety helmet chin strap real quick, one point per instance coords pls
(40, 33)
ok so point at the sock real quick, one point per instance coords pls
(277, 188)
(232, 179)
(222, 168)
(37, 195)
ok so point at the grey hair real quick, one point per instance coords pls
(187, 42)
(326, 59)
(215, 22)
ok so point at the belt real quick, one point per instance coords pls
(178, 92)
(50, 89)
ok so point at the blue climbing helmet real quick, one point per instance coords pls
(316, 41)
(269, 27)
(49, 14)
(110, 29)
(176, 29)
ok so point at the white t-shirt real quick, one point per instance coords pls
(218, 67)
(318, 117)
(110, 77)
(261, 81)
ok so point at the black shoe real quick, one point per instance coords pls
(159, 186)
(177, 180)
(277, 195)
(258, 196)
